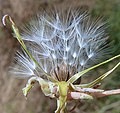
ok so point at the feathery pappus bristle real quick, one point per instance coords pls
(22, 66)
(63, 44)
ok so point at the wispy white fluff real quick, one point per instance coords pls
(73, 38)
(23, 66)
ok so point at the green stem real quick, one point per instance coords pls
(65, 110)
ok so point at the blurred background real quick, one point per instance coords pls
(11, 97)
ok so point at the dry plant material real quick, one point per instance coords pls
(57, 51)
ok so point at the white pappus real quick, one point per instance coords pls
(63, 44)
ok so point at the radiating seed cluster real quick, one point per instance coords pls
(63, 44)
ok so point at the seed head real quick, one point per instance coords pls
(63, 44)
(60, 47)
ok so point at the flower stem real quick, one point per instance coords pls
(65, 110)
